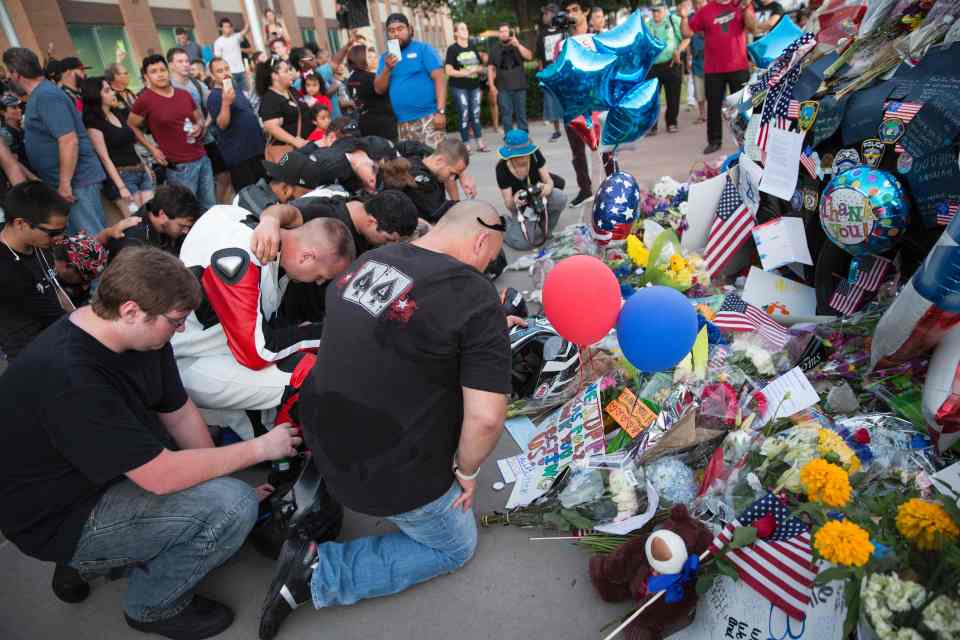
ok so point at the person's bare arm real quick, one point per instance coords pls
(546, 181)
(440, 91)
(749, 17)
(274, 126)
(265, 241)
(453, 191)
(117, 230)
(381, 84)
(525, 53)
(100, 146)
(136, 124)
(457, 73)
(483, 416)
(226, 100)
(684, 12)
(172, 471)
(246, 29)
(68, 147)
(11, 166)
(187, 427)
(492, 80)
(508, 201)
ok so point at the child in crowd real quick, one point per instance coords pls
(321, 118)
(314, 93)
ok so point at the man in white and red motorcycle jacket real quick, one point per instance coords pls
(237, 354)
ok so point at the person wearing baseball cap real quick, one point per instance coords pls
(72, 74)
(293, 176)
(416, 83)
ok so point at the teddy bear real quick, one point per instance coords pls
(622, 575)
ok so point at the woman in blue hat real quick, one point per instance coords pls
(524, 180)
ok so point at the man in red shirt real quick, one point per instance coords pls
(177, 125)
(724, 24)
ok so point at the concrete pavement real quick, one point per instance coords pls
(512, 589)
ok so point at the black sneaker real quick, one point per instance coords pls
(582, 197)
(291, 585)
(555, 136)
(69, 585)
(203, 618)
(713, 147)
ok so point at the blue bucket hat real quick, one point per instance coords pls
(517, 144)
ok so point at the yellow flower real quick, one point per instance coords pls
(637, 251)
(830, 442)
(825, 483)
(678, 263)
(844, 543)
(925, 524)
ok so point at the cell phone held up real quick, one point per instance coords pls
(227, 84)
(393, 48)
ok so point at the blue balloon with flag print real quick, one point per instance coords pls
(765, 50)
(615, 207)
(575, 77)
(864, 211)
(656, 328)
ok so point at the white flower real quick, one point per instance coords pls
(666, 187)
(942, 616)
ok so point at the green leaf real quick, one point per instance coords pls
(556, 521)
(575, 519)
(743, 536)
(704, 582)
(833, 573)
(852, 598)
(727, 569)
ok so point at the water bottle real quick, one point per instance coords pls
(133, 207)
(188, 129)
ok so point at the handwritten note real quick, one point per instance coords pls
(828, 119)
(748, 182)
(782, 241)
(701, 210)
(514, 467)
(783, 163)
(934, 179)
(631, 414)
(863, 113)
(779, 296)
(935, 126)
(750, 147)
(789, 394)
(934, 78)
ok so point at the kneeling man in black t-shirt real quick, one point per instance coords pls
(106, 463)
(407, 400)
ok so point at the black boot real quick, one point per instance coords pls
(69, 585)
(202, 618)
(290, 587)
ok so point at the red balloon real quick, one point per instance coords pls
(591, 136)
(581, 299)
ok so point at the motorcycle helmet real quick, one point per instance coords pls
(544, 366)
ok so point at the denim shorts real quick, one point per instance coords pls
(134, 180)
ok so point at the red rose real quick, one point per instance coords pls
(861, 436)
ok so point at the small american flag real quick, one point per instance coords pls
(946, 211)
(808, 163)
(903, 110)
(737, 315)
(793, 111)
(780, 567)
(849, 295)
(730, 229)
(779, 122)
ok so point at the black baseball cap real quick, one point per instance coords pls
(68, 64)
(397, 17)
(295, 169)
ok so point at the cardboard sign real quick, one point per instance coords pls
(779, 296)
(631, 414)
(731, 610)
(933, 79)
(571, 433)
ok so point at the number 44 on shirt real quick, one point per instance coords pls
(376, 286)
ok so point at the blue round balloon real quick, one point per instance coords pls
(633, 44)
(768, 48)
(656, 328)
(864, 211)
(574, 78)
(634, 115)
(615, 207)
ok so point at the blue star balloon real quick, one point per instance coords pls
(632, 43)
(616, 85)
(574, 78)
(768, 48)
(615, 207)
(634, 115)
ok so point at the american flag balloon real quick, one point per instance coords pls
(615, 207)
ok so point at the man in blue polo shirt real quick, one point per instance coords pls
(417, 85)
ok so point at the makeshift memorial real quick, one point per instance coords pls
(656, 328)
(763, 51)
(615, 207)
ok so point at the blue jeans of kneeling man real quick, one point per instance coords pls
(433, 540)
(198, 177)
(170, 543)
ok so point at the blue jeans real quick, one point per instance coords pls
(433, 540)
(513, 104)
(137, 181)
(239, 80)
(468, 105)
(552, 109)
(170, 543)
(86, 213)
(198, 177)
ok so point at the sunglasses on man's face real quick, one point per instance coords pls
(52, 233)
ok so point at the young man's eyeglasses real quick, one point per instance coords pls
(51, 233)
(176, 323)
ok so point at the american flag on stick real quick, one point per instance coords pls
(737, 315)
(779, 567)
(903, 110)
(730, 229)
(849, 295)
(808, 163)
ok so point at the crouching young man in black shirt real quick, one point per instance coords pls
(407, 400)
(105, 462)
